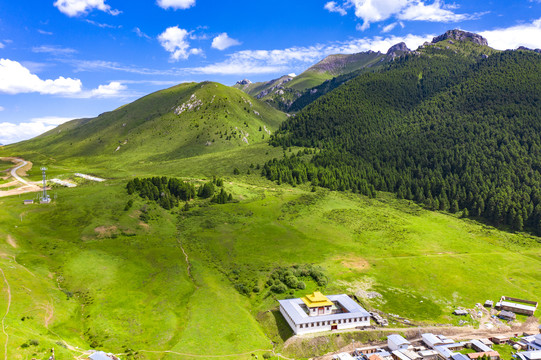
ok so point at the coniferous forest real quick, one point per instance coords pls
(451, 131)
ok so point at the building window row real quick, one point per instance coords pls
(323, 323)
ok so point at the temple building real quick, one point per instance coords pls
(317, 312)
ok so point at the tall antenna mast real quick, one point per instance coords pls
(45, 199)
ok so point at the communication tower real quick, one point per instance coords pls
(45, 199)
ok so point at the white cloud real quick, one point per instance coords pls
(140, 33)
(103, 25)
(434, 12)
(1, 45)
(43, 32)
(528, 35)
(15, 78)
(2, 108)
(53, 49)
(12, 133)
(371, 11)
(389, 27)
(80, 7)
(223, 41)
(298, 58)
(174, 40)
(114, 89)
(176, 4)
(332, 6)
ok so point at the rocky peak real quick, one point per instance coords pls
(397, 50)
(244, 82)
(400, 47)
(460, 35)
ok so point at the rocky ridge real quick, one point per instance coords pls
(460, 35)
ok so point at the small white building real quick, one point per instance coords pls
(397, 342)
(432, 340)
(317, 312)
(529, 355)
(535, 344)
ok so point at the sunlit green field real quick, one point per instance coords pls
(86, 272)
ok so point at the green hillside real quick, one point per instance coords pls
(373, 203)
(283, 92)
(335, 65)
(454, 127)
(183, 121)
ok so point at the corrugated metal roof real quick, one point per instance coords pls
(293, 309)
(431, 339)
(400, 355)
(517, 306)
(480, 346)
(397, 339)
(99, 355)
(459, 356)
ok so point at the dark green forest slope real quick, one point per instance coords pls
(456, 125)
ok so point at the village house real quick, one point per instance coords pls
(529, 355)
(517, 306)
(317, 312)
(535, 343)
(397, 342)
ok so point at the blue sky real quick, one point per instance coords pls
(64, 59)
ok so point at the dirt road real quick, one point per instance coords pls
(26, 185)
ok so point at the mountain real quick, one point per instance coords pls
(284, 91)
(182, 121)
(454, 125)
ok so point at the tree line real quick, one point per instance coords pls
(168, 192)
(449, 131)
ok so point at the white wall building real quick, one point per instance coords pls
(535, 344)
(397, 342)
(316, 312)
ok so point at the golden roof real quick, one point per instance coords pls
(316, 299)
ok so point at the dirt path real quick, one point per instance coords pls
(203, 356)
(6, 314)
(12, 242)
(188, 265)
(26, 187)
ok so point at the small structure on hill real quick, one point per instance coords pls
(518, 306)
(460, 312)
(317, 312)
(28, 202)
(507, 315)
(100, 355)
(489, 303)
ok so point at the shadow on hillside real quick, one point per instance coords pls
(284, 330)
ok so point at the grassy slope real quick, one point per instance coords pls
(329, 68)
(131, 290)
(149, 130)
(325, 70)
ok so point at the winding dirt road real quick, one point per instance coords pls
(14, 172)
(26, 186)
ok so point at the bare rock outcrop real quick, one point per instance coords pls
(460, 35)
